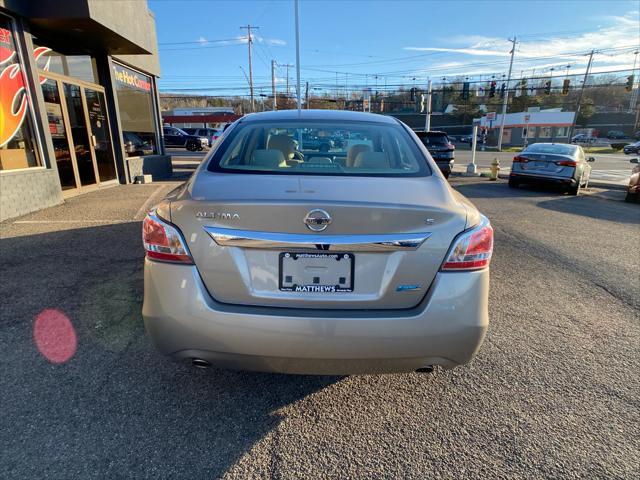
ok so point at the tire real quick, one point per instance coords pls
(446, 174)
(575, 190)
(191, 147)
(631, 197)
(513, 184)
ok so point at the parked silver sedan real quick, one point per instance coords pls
(557, 163)
(358, 260)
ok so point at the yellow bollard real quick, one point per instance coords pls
(495, 168)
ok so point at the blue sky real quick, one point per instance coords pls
(351, 42)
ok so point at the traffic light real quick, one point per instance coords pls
(503, 89)
(547, 87)
(629, 86)
(492, 89)
(565, 86)
(413, 94)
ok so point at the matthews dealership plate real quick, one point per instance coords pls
(316, 272)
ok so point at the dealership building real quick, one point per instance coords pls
(79, 107)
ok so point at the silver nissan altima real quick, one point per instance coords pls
(360, 259)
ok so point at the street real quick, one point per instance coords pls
(552, 393)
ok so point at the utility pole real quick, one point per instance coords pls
(427, 120)
(249, 42)
(634, 91)
(584, 83)
(287, 66)
(505, 99)
(306, 96)
(298, 54)
(274, 104)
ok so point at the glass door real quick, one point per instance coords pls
(65, 159)
(100, 134)
(80, 134)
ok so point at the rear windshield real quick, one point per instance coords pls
(557, 149)
(433, 138)
(319, 148)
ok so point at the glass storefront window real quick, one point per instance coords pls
(82, 67)
(18, 147)
(137, 113)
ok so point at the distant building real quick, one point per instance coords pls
(535, 126)
(199, 111)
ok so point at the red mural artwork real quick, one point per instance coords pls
(13, 98)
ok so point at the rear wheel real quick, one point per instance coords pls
(446, 174)
(513, 183)
(631, 197)
(576, 190)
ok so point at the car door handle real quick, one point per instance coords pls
(227, 237)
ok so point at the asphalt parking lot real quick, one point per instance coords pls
(554, 391)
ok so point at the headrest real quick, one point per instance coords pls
(372, 160)
(354, 151)
(268, 158)
(284, 143)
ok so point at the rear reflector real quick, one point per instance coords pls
(163, 241)
(472, 249)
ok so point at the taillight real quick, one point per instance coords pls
(519, 159)
(162, 241)
(472, 249)
(567, 163)
(452, 146)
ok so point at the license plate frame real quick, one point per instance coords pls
(290, 285)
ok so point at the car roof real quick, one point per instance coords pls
(322, 115)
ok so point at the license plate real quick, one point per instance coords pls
(316, 272)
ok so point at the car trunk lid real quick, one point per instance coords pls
(391, 243)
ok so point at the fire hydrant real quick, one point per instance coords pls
(495, 168)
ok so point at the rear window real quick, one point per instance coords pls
(557, 149)
(319, 148)
(433, 138)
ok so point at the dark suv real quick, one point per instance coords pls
(176, 137)
(440, 148)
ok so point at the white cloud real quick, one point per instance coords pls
(202, 40)
(467, 51)
(272, 42)
(542, 53)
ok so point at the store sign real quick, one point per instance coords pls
(132, 78)
(13, 98)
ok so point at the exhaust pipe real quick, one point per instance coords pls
(425, 369)
(199, 363)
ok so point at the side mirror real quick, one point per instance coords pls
(634, 160)
(591, 159)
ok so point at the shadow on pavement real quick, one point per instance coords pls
(484, 188)
(116, 409)
(583, 205)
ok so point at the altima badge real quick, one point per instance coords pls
(317, 220)
(218, 215)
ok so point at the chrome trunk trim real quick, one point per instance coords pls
(227, 237)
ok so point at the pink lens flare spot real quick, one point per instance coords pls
(55, 336)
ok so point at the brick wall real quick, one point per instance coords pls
(27, 191)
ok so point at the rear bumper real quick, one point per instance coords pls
(567, 181)
(445, 166)
(446, 328)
